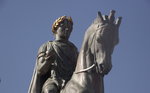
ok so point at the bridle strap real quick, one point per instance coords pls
(86, 69)
(94, 65)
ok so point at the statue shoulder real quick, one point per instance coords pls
(44, 47)
(73, 46)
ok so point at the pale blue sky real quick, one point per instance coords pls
(26, 24)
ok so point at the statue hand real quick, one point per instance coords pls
(44, 62)
(49, 54)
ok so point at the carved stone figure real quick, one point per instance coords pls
(56, 60)
(94, 59)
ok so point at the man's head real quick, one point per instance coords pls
(62, 27)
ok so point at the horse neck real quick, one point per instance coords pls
(85, 60)
(82, 61)
(91, 80)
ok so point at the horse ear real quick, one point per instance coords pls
(99, 18)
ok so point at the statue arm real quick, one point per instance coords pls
(44, 59)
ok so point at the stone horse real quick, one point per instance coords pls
(94, 60)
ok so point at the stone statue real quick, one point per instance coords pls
(93, 62)
(56, 60)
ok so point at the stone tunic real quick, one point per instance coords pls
(63, 63)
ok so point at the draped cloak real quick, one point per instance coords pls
(66, 57)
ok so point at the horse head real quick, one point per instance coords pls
(102, 40)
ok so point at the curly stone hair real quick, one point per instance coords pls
(60, 20)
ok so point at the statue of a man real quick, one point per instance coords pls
(56, 60)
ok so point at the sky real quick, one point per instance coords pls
(26, 24)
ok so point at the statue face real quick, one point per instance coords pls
(64, 31)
